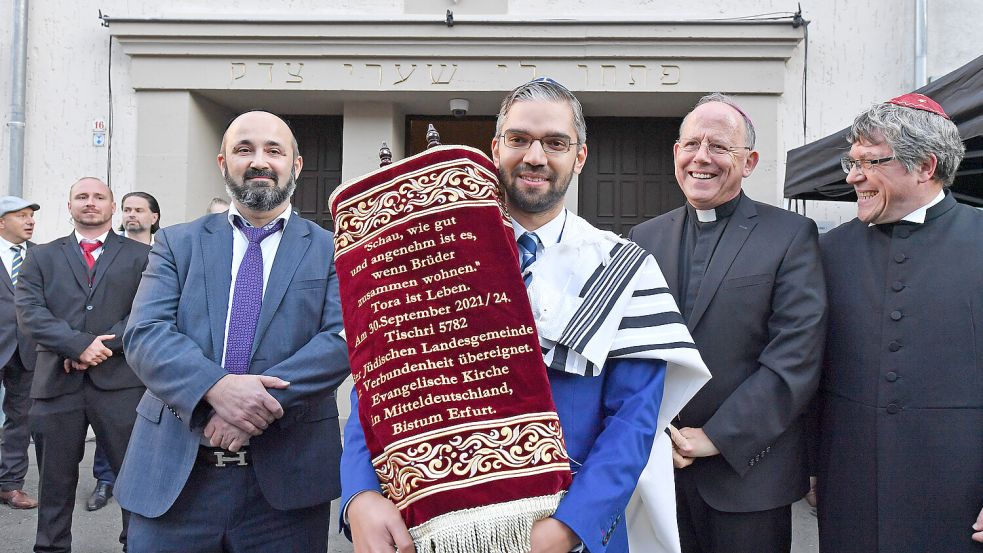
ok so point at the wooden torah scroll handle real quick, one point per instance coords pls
(385, 155)
(433, 137)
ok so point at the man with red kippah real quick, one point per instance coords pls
(900, 464)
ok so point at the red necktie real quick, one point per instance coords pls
(87, 249)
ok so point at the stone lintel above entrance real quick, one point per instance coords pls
(423, 54)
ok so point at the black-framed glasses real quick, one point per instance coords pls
(848, 163)
(692, 145)
(551, 144)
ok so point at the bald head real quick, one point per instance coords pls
(90, 202)
(262, 122)
(260, 162)
(91, 182)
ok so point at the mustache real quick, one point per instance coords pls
(537, 170)
(264, 173)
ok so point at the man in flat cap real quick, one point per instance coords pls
(16, 353)
(900, 465)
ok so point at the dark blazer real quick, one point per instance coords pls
(176, 336)
(12, 339)
(759, 322)
(58, 309)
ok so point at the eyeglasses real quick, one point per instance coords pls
(863, 165)
(551, 144)
(692, 145)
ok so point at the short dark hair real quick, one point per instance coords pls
(154, 207)
(544, 89)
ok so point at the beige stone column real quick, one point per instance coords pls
(178, 139)
(366, 126)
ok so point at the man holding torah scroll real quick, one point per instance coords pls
(605, 322)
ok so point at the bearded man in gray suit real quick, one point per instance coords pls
(235, 331)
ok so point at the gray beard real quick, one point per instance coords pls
(260, 199)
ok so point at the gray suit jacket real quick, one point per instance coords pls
(12, 339)
(60, 311)
(176, 336)
(759, 322)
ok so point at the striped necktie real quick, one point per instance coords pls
(528, 244)
(15, 265)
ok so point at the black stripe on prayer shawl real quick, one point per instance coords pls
(650, 347)
(594, 276)
(656, 319)
(607, 290)
(649, 292)
(560, 357)
(599, 299)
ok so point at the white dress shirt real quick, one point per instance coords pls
(549, 234)
(268, 246)
(96, 252)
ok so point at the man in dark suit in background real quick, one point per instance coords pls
(73, 298)
(16, 353)
(235, 331)
(748, 280)
(141, 219)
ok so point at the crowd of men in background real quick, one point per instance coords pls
(853, 358)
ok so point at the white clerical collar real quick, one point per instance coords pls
(548, 234)
(918, 215)
(706, 215)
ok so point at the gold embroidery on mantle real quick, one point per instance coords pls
(464, 455)
(431, 187)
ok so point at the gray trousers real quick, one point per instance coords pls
(16, 432)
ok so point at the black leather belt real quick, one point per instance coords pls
(218, 457)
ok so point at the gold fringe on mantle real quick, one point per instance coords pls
(499, 528)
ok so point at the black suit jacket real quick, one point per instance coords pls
(759, 322)
(12, 339)
(60, 311)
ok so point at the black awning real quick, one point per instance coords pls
(812, 172)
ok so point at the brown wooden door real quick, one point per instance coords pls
(629, 174)
(475, 131)
(319, 138)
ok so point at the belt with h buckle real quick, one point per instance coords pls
(218, 457)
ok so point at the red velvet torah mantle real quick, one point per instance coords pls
(452, 388)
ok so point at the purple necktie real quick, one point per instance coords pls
(247, 299)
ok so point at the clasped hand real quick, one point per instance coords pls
(242, 400)
(91, 356)
(688, 444)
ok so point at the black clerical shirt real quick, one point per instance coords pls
(699, 242)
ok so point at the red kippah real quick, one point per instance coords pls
(918, 101)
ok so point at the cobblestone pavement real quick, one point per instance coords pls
(97, 532)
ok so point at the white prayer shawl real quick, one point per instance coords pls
(597, 296)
